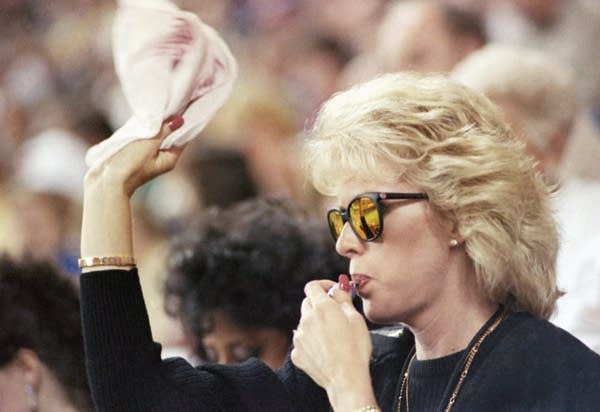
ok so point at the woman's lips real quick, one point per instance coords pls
(359, 281)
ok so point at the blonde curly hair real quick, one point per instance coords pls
(452, 143)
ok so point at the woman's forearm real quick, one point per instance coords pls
(106, 226)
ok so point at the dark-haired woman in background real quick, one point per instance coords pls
(236, 278)
(42, 366)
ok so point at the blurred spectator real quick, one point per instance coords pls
(217, 267)
(49, 173)
(537, 95)
(568, 30)
(426, 36)
(42, 365)
(266, 126)
(313, 73)
(346, 21)
(92, 126)
(582, 152)
(260, 123)
(221, 176)
(10, 119)
(28, 79)
(419, 35)
(52, 161)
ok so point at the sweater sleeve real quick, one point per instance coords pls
(124, 367)
(126, 372)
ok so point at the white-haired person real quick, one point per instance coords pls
(537, 95)
(465, 260)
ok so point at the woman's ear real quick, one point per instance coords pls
(455, 238)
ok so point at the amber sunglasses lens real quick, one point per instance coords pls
(364, 218)
(336, 222)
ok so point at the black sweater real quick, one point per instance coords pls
(527, 364)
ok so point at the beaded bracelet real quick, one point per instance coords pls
(106, 261)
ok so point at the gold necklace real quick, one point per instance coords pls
(404, 385)
(472, 352)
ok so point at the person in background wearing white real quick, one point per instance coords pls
(537, 96)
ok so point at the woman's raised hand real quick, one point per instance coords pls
(106, 228)
(138, 162)
(332, 345)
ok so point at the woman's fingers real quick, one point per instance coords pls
(174, 122)
(166, 159)
(317, 290)
(340, 292)
(143, 159)
(323, 284)
(305, 307)
(330, 331)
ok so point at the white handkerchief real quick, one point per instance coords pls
(168, 62)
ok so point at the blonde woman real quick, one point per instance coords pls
(465, 261)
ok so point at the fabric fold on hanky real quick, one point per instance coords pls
(168, 62)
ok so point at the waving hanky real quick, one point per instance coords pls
(168, 62)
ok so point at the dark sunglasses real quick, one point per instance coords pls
(365, 214)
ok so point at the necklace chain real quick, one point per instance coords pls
(472, 352)
(404, 385)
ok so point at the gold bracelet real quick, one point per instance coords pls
(86, 262)
(369, 408)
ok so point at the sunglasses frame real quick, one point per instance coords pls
(376, 197)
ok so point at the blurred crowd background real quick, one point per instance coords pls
(59, 95)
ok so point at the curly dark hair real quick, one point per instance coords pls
(39, 310)
(250, 261)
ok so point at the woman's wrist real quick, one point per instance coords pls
(106, 227)
(355, 403)
(369, 408)
(355, 395)
(100, 182)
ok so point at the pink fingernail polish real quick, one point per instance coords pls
(344, 283)
(175, 122)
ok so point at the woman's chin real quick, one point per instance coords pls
(376, 315)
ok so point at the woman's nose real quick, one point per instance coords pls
(347, 243)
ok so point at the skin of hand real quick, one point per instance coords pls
(137, 163)
(332, 345)
(106, 224)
